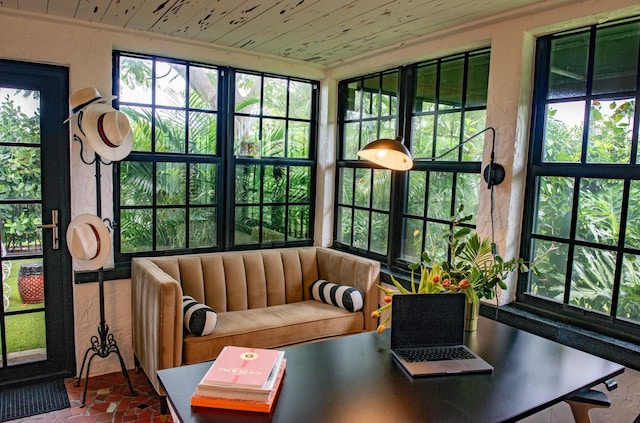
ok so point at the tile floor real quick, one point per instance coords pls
(108, 400)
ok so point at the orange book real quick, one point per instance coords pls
(241, 368)
(240, 404)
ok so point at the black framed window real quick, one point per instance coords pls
(222, 158)
(583, 178)
(435, 105)
(368, 111)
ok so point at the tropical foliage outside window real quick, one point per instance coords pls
(206, 138)
(583, 185)
(436, 105)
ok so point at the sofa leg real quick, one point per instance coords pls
(164, 408)
(136, 364)
(584, 401)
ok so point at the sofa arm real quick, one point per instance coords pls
(360, 272)
(156, 308)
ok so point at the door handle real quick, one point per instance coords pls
(53, 225)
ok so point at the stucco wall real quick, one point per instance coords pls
(87, 52)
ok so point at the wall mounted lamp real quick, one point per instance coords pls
(392, 154)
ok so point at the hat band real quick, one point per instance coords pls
(103, 136)
(97, 235)
(85, 104)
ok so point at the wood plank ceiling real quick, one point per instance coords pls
(325, 32)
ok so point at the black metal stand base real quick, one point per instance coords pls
(102, 347)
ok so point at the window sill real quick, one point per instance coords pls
(610, 348)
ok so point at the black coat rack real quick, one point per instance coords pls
(105, 343)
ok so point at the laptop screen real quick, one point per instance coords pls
(419, 320)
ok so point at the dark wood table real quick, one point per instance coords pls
(354, 379)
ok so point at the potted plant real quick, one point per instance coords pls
(472, 267)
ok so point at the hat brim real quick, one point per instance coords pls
(103, 236)
(89, 126)
(95, 101)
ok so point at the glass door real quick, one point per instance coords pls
(36, 320)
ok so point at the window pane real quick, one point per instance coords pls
(425, 96)
(248, 184)
(171, 86)
(171, 183)
(203, 88)
(298, 222)
(591, 283)
(135, 80)
(412, 240)
(272, 138)
(248, 93)
(352, 109)
(423, 129)
(390, 94)
(388, 128)
(363, 187)
(299, 139)
(202, 182)
(274, 184)
(477, 81)
(379, 232)
(273, 223)
(550, 259)
(247, 224)
(381, 189)
(632, 236)
(416, 193)
(136, 183)
(134, 230)
(448, 135)
(300, 100)
(553, 214)
(467, 192)
(610, 131)
(563, 132)
(440, 190)
(344, 225)
(435, 243)
(616, 59)
(361, 220)
(170, 131)
(19, 116)
(202, 133)
(140, 121)
(247, 136)
(599, 210)
(202, 227)
(299, 184)
(629, 300)
(474, 121)
(568, 66)
(20, 175)
(345, 187)
(275, 97)
(170, 229)
(351, 143)
(451, 80)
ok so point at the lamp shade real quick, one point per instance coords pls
(388, 153)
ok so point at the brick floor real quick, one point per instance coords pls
(108, 400)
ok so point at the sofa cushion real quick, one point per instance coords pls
(199, 319)
(342, 296)
(272, 327)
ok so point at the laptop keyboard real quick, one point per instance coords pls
(415, 355)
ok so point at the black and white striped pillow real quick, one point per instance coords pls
(199, 319)
(342, 296)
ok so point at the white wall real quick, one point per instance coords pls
(87, 53)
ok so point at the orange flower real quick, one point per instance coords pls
(464, 284)
(446, 282)
(375, 314)
(381, 328)
(387, 298)
(436, 278)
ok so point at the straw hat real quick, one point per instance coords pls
(80, 100)
(88, 241)
(107, 130)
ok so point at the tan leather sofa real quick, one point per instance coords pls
(261, 298)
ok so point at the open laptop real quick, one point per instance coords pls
(431, 327)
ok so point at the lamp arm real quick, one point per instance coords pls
(477, 134)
